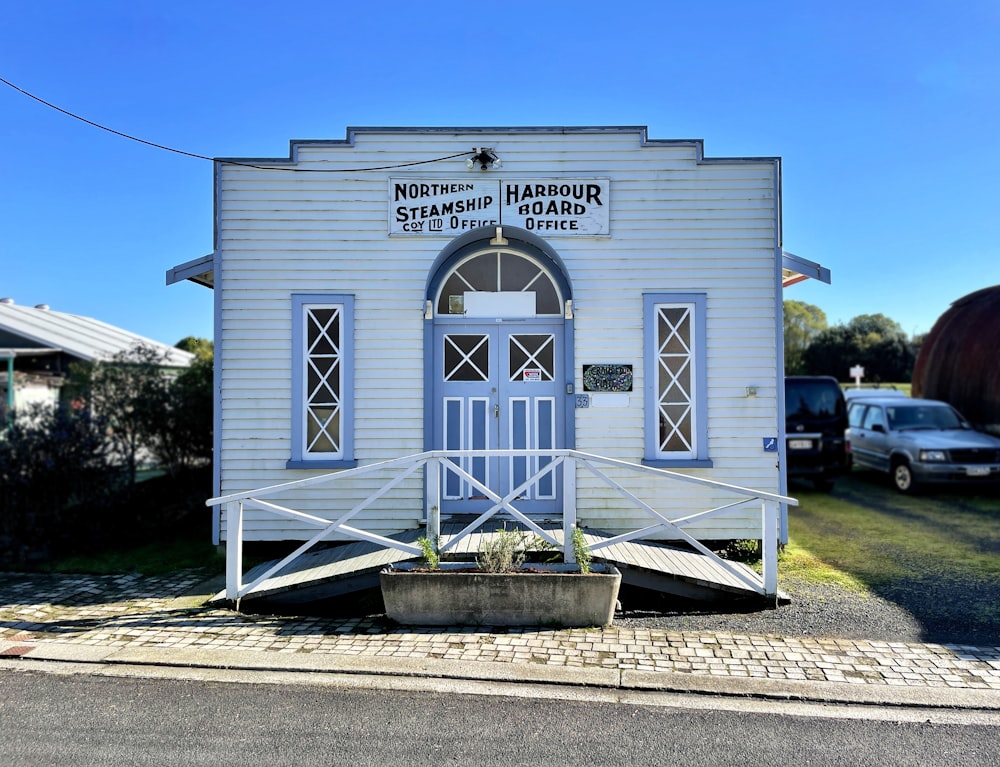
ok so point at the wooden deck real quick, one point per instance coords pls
(353, 567)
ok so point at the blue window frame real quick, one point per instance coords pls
(676, 410)
(322, 381)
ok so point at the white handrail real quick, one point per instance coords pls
(435, 460)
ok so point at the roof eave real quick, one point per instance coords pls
(796, 269)
(200, 271)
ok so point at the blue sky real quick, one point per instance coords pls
(886, 115)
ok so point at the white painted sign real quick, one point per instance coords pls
(857, 373)
(559, 206)
(479, 303)
(442, 207)
(445, 208)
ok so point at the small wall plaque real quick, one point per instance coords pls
(607, 377)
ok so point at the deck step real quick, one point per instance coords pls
(353, 567)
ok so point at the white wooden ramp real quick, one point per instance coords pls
(671, 569)
(353, 567)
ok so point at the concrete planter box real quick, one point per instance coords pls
(559, 596)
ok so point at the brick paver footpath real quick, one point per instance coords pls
(136, 612)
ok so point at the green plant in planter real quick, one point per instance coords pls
(429, 552)
(503, 552)
(544, 551)
(581, 550)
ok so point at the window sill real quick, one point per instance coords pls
(683, 463)
(321, 464)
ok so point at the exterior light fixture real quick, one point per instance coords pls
(484, 157)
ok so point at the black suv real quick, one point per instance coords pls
(815, 422)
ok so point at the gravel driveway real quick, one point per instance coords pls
(824, 611)
(933, 604)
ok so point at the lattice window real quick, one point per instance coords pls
(466, 357)
(324, 379)
(676, 412)
(674, 381)
(532, 357)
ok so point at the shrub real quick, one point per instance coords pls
(503, 552)
(429, 552)
(57, 481)
(581, 550)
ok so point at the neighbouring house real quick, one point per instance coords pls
(498, 293)
(38, 345)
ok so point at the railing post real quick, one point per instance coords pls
(569, 508)
(782, 524)
(432, 500)
(769, 547)
(234, 549)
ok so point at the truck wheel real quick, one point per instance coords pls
(902, 476)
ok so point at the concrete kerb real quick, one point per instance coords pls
(504, 673)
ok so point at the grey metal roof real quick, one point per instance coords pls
(82, 337)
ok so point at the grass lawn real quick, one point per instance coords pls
(161, 526)
(937, 555)
(903, 387)
(150, 559)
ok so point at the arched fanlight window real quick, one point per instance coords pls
(500, 270)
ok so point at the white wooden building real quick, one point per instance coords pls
(410, 290)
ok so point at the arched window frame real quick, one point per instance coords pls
(475, 272)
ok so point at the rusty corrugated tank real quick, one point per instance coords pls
(959, 361)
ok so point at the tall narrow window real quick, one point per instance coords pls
(676, 416)
(324, 380)
(322, 373)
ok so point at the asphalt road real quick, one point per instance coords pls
(53, 720)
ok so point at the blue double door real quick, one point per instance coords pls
(498, 386)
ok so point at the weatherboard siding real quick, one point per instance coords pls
(676, 225)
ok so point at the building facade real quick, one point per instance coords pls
(508, 289)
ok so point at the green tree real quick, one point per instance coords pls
(182, 432)
(127, 393)
(802, 323)
(875, 326)
(152, 411)
(202, 348)
(873, 341)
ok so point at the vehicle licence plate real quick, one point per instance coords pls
(977, 471)
(800, 444)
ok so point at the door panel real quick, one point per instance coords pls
(467, 426)
(497, 387)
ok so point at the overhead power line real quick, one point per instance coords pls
(66, 112)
